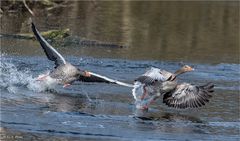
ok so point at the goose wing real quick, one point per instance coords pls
(51, 53)
(147, 80)
(153, 75)
(188, 96)
(100, 78)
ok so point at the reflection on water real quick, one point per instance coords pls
(180, 31)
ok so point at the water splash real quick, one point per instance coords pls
(12, 79)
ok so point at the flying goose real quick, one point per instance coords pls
(64, 72)
(143, 82)
(156, 83)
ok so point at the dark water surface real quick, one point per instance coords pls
(160, 34)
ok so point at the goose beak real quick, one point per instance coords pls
(189, 68)
(87, 74)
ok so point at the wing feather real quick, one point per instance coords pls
(157, 74)
(100, 78)
(50, 52)
(146, 80)
(189, 96)
(153, 75)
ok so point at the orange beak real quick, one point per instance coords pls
(191, 69)
(87, 74)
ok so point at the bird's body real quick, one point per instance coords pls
(65, 73)
(150, 85)
(150, 82)
(146, 83)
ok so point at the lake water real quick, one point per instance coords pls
(160, 34)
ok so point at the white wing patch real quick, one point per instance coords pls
(155, 73)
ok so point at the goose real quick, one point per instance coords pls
(146, 81)
(64, 72)
(156, 83)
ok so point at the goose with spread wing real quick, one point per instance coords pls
(64, 72)
(156, 83)
(147, 82)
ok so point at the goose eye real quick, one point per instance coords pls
(187, 67)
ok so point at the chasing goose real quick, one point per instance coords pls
(156, 83)
(64, 72)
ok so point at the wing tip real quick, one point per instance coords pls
(209, 85)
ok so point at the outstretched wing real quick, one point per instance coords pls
(100, 78)
(188, 96)
(51, 53)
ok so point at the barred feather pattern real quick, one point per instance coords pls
(188, 96)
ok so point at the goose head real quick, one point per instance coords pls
(186, 68)
(182, 70)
